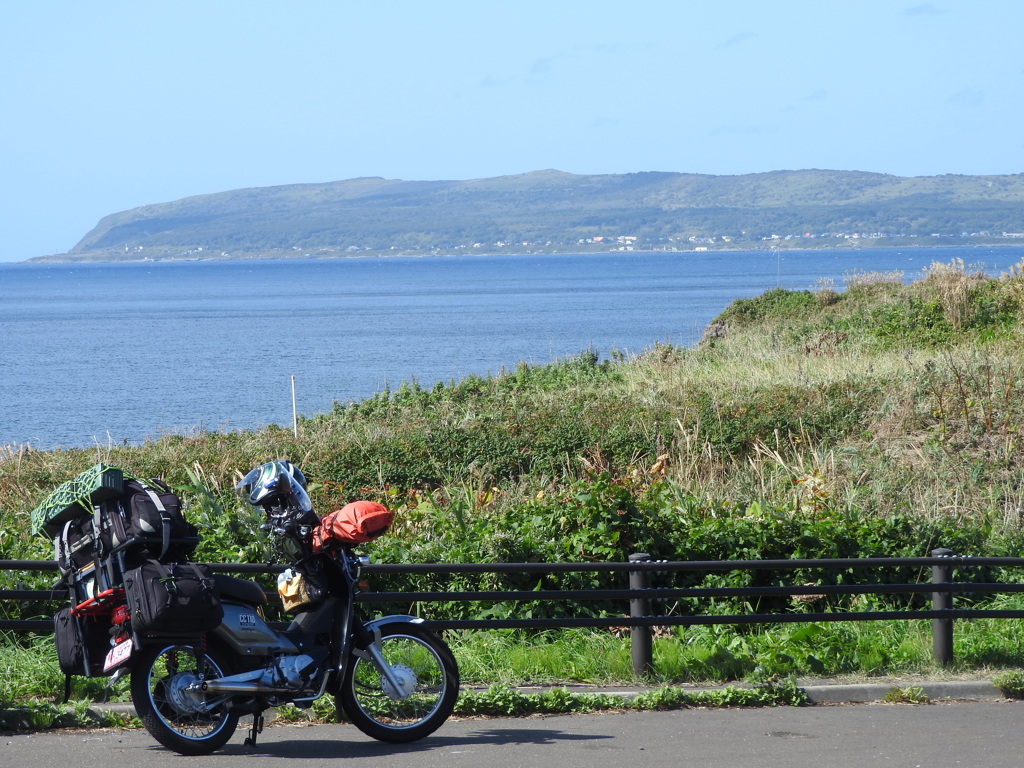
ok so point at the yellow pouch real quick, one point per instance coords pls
(291, 586)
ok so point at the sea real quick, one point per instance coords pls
(121, 353)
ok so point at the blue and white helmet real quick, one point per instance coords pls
(275, 482)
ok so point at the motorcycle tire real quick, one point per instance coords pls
(429, 678)
(174, 716)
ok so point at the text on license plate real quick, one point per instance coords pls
(119, 653)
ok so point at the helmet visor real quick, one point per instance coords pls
(272, 483)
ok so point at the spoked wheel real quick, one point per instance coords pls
(427, 686)
(176, 717)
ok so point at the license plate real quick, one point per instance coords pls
(118, 654)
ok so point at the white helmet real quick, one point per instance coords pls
(274, 483)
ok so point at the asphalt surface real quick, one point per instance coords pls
(975, 733)
(963, 723)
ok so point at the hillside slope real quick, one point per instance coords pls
(552, 210)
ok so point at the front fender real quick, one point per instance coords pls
(368, 634)
(396, 618)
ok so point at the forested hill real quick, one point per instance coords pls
(556, 211)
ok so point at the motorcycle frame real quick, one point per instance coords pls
(349, 633)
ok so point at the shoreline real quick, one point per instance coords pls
(862, 244)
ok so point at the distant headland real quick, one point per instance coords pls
(556, 212)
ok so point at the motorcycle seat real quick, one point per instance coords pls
(244, 590)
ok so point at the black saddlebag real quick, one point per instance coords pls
(177, 599)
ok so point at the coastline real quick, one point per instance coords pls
(795, 245)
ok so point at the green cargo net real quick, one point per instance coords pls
(76, 498)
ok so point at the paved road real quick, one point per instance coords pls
(937, 735)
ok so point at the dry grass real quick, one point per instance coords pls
(942, 439)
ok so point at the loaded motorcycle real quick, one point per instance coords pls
(393, 679)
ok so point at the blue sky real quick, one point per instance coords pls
(105, 106)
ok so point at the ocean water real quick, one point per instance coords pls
(100, 353)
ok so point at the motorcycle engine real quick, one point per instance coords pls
(288, 671)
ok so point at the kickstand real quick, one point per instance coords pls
(256, 730)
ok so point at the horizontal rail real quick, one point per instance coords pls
(697, 565)
(51, 565)
(742, 618)
(616, 594)
(653, 593)
(957, 561)
(608, 594)
(640, 595)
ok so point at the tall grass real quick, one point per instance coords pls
(889, 419)
(879, 420)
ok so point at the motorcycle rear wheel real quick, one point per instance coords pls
(430, 686)
(174, 716)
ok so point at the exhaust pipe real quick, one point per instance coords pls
(256, 682)
(226, 685)
(247, 682)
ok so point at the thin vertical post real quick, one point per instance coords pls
(640, 638)
(942, 629)
(295, 413)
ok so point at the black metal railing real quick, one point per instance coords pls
(641, 595)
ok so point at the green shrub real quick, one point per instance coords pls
(777, 303)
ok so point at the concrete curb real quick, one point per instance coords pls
(817, 693)
(934, 691)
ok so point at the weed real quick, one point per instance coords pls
(1011, 684)
(910, 695)
(502, 700)
(289, 713)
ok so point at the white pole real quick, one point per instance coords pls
(295, 414)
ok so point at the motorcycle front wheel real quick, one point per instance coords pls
(428, 678)
(175, 716)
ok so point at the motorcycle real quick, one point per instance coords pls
(394, 680)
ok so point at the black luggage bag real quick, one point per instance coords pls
(176, 599)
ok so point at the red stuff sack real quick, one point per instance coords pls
(355, 523)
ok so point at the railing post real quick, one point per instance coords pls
(942, 629)
(640, 637)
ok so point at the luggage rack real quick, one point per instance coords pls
(103, 603)
(105, 577)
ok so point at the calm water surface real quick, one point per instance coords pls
(104, 353)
